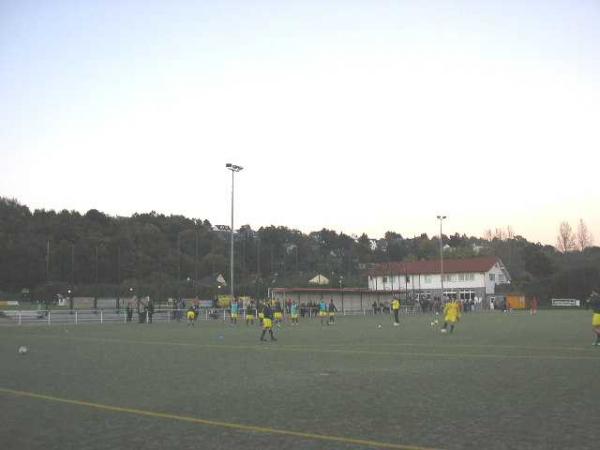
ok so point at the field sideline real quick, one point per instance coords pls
(500, 381)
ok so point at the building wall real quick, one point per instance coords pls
(353, 301)
(490, 285)
(350, 302)
(426, 282)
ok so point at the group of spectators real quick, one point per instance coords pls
(381, 307)
(145, 310)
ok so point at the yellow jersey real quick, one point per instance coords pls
(451, 312)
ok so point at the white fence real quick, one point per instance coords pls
(81, 317)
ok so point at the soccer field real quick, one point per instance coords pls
(500, 381)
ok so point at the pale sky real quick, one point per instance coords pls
(358, 116)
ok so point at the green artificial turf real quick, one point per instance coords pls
(500, 381)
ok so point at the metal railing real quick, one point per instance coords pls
(99, 316)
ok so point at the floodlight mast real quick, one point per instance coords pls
(441, 219)
(234, 168)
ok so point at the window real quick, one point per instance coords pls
(461, 277)
(492, 277)
(470, 276)
(427, 279)
(501, 279)
(385, 279)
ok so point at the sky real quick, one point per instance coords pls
(357, 116)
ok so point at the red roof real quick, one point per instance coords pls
(320, 290)
(470, 265)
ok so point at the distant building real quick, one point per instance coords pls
(464, 279)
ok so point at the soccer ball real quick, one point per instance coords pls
(22, 350)
(379, 326)
(443, 330)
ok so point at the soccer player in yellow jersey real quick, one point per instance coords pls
(451, 315)
(267, 323)
(396, 309)
(191, 316)
(595, 305)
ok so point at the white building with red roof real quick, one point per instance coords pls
(462, 278)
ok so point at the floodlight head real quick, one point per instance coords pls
(441, 217)
(233, 167)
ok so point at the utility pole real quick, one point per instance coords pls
(441, 219)
(48, 261)
(233, 168)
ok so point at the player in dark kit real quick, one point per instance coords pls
(332, 310)
(267, 323)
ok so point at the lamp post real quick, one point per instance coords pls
(441, 219)
(131, 296)
(342, 291)
(406, 283)
(233, 169)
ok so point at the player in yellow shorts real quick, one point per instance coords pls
(595, 305)
(235, 307)
(191, 316)
(332, 310)
(278, 314)
(250, 315)
(322, 311)
(267, 323)
(451, 315)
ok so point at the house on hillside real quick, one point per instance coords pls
(463, 279)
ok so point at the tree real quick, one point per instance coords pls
(537, 263)
(488, 235)
(499, 234)
(510, 233)
(101, 255)
(565, 242)
(584, 238)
